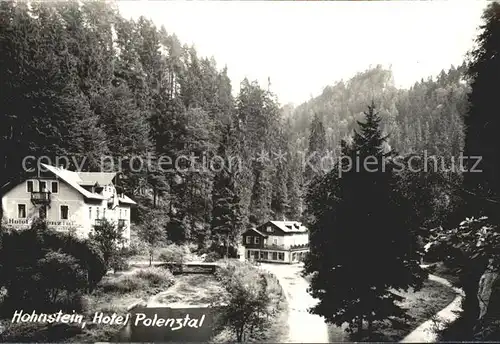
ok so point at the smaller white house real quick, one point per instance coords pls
(68, 201)
(277, 241)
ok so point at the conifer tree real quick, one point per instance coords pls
(482, 121)
(226, 212)
(362, 246)
(316, 150)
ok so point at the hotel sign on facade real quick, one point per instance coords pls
(26, 223)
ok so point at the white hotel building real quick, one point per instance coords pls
(67, 200)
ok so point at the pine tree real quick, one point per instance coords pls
(316, 150)
(226, 209)
(362, 245)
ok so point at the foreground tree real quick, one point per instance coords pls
(482, 122)
(247, 297)
(152, 232)
(109, 237)
(481, 191)
(362, 245)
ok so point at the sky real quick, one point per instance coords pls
(303, 46)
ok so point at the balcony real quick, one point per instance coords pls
(40, 197)
(281, 247)
(274, 246)
(298, 247)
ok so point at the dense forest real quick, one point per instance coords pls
(79, 80)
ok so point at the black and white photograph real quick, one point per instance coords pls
(249, 171)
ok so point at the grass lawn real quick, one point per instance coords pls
(420, 305)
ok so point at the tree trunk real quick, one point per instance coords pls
(370, 328)
(470, 303)
(239, 335)
(360, 327)
(227, 246)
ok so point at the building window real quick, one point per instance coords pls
(248, 254)
(269, 229)
(125, 212)
(249, 239)
(256, 240)
(97, 213)
(275, 255)
(21, 211)
(55, 187)
(275, 241)
(120, 214)
(42, 186)
(29, 186)
(104, 213)
(90, 212)
(64, 212)
(281, 256)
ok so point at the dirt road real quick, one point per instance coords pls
(304, 327)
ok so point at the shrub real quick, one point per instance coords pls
(35, 332)
(46, 270)
(123, 284)
(249, 298)
(173, 254)
(212, 257)
(156, 277)
(119, 263)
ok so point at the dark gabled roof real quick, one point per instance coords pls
(288, 226)
(256, 231)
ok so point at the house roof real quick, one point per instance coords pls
(73, 179)
(77, 179)
(255, 230)
(125, 199)
(91, 178)
(290, 226)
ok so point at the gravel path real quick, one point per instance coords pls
(427, 331)
(303, 326)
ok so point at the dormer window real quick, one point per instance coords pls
(256, 240)
(269, 229)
